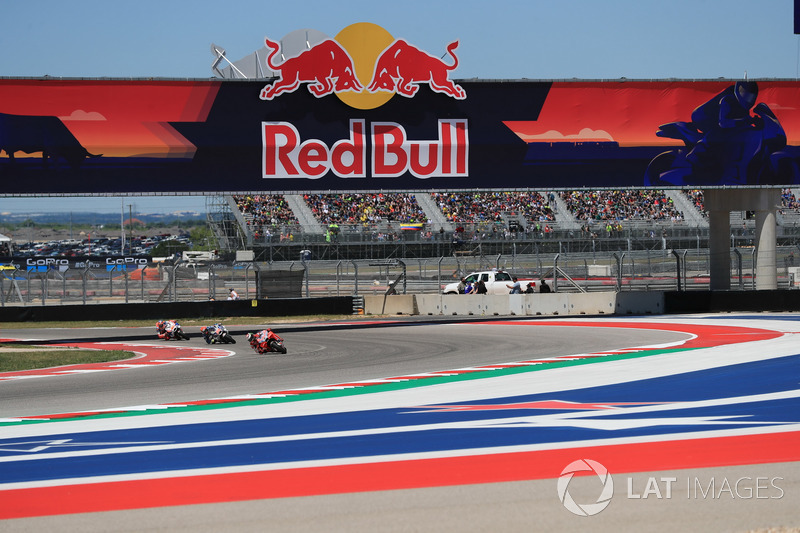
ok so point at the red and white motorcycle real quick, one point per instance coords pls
(170, 329)
(266, 341)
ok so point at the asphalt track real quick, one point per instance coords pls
(431, 426)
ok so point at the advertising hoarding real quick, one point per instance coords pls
(339, 118)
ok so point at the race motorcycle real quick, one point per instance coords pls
(266, 341)
(216, 334)
(730, 140)
(170, 329)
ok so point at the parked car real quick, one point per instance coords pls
(496, 282)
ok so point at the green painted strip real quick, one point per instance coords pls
(367, 389)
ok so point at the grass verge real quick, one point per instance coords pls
(14, 358)
(31, 358)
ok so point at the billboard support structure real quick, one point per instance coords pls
(719, 203)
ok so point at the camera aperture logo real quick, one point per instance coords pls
(585, 509)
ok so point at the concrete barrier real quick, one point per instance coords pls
(554, 304)
(431, 304)
(592, 303)
(395, 304)
(460, 304)
(547, 304)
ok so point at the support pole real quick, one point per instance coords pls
(766, 262)
(719, 225)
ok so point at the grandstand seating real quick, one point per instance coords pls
(532, 210)
(619, 205)
(492, 206)
(364, 208)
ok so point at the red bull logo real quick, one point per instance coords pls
(327, 67)
(402, 67)
(364, 66)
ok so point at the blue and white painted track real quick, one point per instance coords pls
(727, 395)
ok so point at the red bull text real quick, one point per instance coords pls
(392, 153)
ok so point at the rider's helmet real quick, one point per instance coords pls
(203, 329)
(249, 336)
(746, 93)
(160, 324)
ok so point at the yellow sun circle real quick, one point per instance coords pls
(364, 42)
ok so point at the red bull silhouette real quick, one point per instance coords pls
(326, 66)
(402, 67)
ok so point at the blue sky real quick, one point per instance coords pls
(534, 39)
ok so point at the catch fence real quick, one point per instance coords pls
(640, 270)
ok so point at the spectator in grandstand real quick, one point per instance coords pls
(364, 208)
(491, 206)
(271, 209)
(620, 205)
(788, 201)
(696, 196)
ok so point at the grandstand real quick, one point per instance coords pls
(346, 225)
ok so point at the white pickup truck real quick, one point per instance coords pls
(496, 281)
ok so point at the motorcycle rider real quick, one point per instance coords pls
(161, 329)
(207, 333)
(727, 142)
(259, 340)
(212, 333)
(166, 329)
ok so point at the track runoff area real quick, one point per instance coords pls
(699, 429)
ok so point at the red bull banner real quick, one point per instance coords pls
(365, 110)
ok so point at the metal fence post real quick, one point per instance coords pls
(83, 282)
(439, 275)
(143, 273)
(555, 272)
(405, 276)
(678, 267)
(247, 281)
(355, 286)
(338, 272)
(685, 252)
(174, 281)
(739, 267)
(619, 259)
(64, 285)
(305, 267)
(257, 279)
